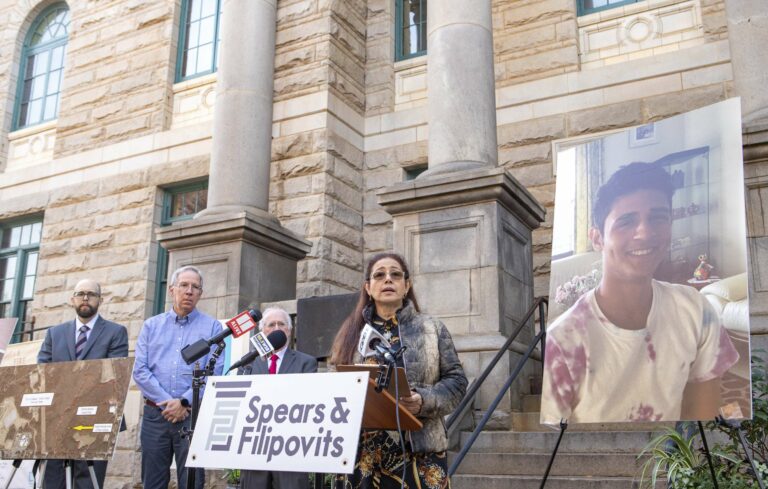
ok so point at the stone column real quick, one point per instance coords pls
(245, 254)
(242, 120)
(465, 225)
(462, 103)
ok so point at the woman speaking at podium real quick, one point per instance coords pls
(388, 304)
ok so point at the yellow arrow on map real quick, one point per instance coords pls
(81, 428)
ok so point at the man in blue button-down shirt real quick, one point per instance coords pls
(165, 379)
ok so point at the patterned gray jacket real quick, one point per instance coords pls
(433, 370)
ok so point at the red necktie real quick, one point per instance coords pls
(273, 364)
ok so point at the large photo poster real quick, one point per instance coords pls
(649, 315)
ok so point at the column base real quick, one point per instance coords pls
(245, 258)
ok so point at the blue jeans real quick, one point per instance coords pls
(160, 442)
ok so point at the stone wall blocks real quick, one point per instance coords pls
(663, 106)
(132, 272)
(125, 292)
(526, 155)
(54, 300)
(295, 58)
(123, 218)
(512, 42)
(54, 248)
(301, 165)
(378, 179)
(107, 110)
(135, 198)
(347, 173)
(550, 61)
(126, 182)
(340, 147)
(132, 235)
(300, 83)
(45, 284)
(296, 145)
(534, 175)
(73, 194)
(301, 206)
(185, 169)
(344, 213)
(605, 118)
(349, 196)
(347, 257)
(525, 14)
(377, 217)
(120, 312)
(91, 242)
(532, 131)
(295, 11)
(295, 186)
(377, 238)
(68, 263)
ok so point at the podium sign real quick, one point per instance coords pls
(287, 422)
(62, 410)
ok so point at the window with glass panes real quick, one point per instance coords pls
(589, 6)
(200, 38)
(410, 29)
(41, 68)
(19, 251)
(179, 204)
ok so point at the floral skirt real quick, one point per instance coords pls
(380, 465)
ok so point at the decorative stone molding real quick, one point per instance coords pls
(31, 146)
(638, 30)
(193, 101)
(410, 82)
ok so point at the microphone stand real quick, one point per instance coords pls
(198, 381)
(385, 371)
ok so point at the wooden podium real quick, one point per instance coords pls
(379, 412)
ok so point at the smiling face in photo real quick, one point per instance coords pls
(636, 235)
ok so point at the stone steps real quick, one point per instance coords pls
(593, 456)
(573, 442)
(566, 464)
(529, 421)
(553, 482)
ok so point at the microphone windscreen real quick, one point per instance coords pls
(255, 314)
(277, 338)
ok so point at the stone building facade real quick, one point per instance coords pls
(350, 127)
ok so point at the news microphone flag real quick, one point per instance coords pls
(241, 324)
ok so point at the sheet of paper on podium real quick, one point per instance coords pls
(63, 410)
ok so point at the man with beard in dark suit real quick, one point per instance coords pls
(89, 336)
(284, 361)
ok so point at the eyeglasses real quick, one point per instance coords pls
(395, 275)
(276, 324)
(185, 286)
(84, 295)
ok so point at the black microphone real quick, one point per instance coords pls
(238, 325)
(385, 352)
(276, 339)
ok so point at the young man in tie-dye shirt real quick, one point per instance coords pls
(634, 348)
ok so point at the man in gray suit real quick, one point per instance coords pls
(283, 361)
(87, 337)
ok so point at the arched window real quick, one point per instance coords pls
(410, 29)
(199, 38)
(42, 66)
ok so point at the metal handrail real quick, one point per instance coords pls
(471, 394)
(540, 337)
(31, 331)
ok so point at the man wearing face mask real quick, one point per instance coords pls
(284, 361)
(89, 336)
